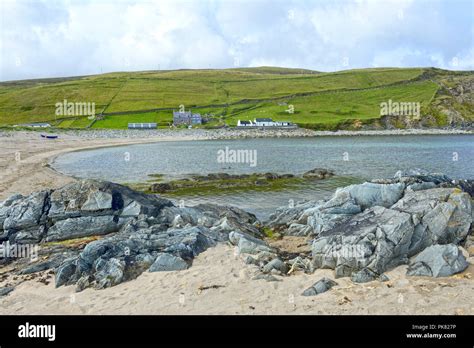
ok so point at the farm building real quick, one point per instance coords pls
(244, 123)
(264, 122)
(186, 117)
(268, 122)
(142, 126)
(35, 125)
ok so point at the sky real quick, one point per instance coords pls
(54, 38)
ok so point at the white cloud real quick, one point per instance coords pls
(72, 37)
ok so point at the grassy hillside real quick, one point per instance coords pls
(320, 100)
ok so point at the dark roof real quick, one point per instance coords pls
(185, 114)
(182, 114)
(244, 122)
(263, 120)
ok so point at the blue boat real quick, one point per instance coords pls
(49, 136)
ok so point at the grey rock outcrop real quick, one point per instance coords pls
(364, 230)
(140, 245)
(132, 231)
(438, 261)
(379, 238)
(249, 245)
(79, 209)
(113, 234)
(312, 218)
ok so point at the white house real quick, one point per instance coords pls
(268, 122)
(264, 122)
(245, 124)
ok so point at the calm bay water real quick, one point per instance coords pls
(354, 159)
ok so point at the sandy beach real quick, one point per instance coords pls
(218, 282)
(25, 157)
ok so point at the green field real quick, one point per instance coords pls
(225, 96)
(79, 122)
(164, 119)
(338, 106)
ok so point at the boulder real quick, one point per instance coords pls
(249, 260)
(65, 271)
(369, 194)
(363, 276)
(440, 216)
(319, 287)
(27, 212)
(284, 216)
(276, 264)
(421, 186)
(417, 179)
(300, 264)
(438, 261)
(6, 290)
(378, 239)
(250, 245)
(168, 262)
(78, 209)
(109, 273)
(93, 197)
(221, 219)
(318, 173)
(5, 207)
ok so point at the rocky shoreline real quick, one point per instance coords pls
(235, 133)
(99, 234)
(367, 229)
